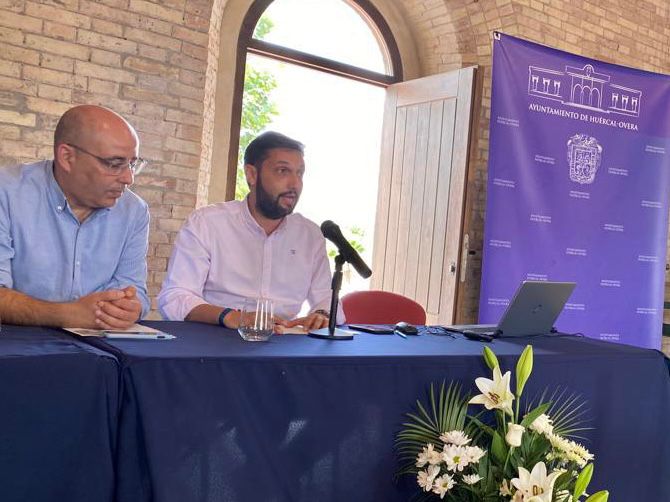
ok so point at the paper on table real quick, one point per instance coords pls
(135, 328)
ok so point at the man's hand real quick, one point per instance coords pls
(120, 312)
(82, 313)
(315, 320)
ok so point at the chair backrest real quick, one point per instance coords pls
(381, 307)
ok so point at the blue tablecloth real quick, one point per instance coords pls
(59, 401)
(208, 417)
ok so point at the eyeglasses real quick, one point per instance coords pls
(116, 165)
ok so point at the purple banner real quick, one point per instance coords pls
(578, 184)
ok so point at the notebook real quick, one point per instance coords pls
(533, 310)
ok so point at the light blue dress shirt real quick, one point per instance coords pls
(46, 253)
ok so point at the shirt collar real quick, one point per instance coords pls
(57, 197)
(54, 191)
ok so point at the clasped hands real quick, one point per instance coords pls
(111, 309)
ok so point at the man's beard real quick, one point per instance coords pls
(270, 207)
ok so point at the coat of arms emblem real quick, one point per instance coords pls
(584, 156)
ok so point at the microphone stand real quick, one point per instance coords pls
(331, 332)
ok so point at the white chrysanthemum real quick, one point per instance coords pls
(569, 450)
(425, 478)
(495, 394)
(474, 454)
(458, 438)
(427, 456)
(455, 457)
(471, 479)
(442, 485)
(542, 425)
(581, 451)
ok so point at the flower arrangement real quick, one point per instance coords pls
(497, 454)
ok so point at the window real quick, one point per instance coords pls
(317, 71)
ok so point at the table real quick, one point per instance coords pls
(208, 417)
(59, 401)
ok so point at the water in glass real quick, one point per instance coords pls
(256, 320)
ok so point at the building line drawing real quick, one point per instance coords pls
(584, 88)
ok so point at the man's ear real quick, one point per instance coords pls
(64, 156)
(251, 174)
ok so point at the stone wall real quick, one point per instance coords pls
(146, 60)
(155, 62)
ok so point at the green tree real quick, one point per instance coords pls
(358, 234)
(258, 109)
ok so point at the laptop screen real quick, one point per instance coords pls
(535, 308)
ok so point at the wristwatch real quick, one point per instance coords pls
(322, 312)
(223, 315)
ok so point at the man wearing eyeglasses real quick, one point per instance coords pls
(73, 238)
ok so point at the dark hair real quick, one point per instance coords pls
(257, 151)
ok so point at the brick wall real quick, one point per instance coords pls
(455, 33)
(146, 60)
(149, 61)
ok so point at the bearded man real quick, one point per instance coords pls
(257, 247)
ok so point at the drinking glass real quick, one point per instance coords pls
(256, 320)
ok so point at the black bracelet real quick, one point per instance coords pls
(223, 315)
(322, 312)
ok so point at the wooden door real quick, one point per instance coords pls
(422, 179)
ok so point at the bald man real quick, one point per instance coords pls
(73, 237)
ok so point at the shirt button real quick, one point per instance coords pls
(78, 263)
(60, 208)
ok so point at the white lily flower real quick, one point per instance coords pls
(514, 433)
(542, 425)
(495, 394)
(459, 438)
(471, 479)
(425, 478)
(535, 486)
(442, 485)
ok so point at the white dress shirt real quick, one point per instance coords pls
(222, 256)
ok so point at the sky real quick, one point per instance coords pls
(339, 120)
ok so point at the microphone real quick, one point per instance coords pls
(332, 232)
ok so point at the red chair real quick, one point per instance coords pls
(381, 307)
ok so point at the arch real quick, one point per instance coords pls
(239, 17)
(594, 98)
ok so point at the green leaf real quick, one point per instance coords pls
(498, 448)
(601, 496)
(443, 410)
(532, 415)
(482, 426)
(258, 108)
(524, 367)
(583, 481)
(490, 358)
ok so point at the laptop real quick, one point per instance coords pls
(533, 311)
